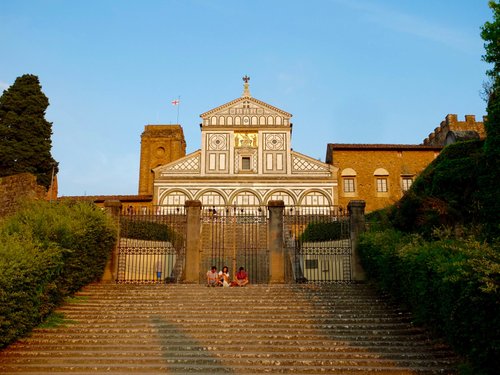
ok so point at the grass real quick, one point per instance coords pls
(56, 320)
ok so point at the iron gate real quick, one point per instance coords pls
(235, 237)
(151, 247)
(318, 245)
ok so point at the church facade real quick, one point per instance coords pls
(245, 159)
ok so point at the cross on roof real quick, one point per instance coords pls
(246, 78)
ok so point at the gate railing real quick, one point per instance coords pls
(275, 243)
(235, 236)
(318, 244)
(151, 247)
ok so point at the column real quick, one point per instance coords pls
(193, 242)
(275, 242)
(357, 221)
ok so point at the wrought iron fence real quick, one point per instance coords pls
(318, 245)
(151, 247)
(235, 237)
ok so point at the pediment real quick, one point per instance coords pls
(246, 111)
(189, 164)
(302, 164)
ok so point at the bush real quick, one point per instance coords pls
(452, 285)
(47, 252)
(328, 231)
(145, 230)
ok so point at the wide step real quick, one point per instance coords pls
(298, 329)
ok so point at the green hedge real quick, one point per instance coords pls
(47, 252)
(145, 230)
(327, 231)
(453, 285)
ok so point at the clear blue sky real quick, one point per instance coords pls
(350, 71)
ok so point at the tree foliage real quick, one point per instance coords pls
(25, 134)
(490, 178)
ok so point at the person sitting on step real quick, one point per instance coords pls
(241, 277)
(224, 277)
(213, 277)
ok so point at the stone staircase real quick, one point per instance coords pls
(294, 329)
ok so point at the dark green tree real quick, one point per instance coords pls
(25, 134)
(489, 181)
(491, 35)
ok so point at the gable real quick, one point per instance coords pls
(189, 164)
(302, 164)
(246, 111)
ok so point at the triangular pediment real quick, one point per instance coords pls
(189, 164)
(302, 164)
(246, 111)
(245, 103)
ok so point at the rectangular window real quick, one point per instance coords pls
(382, 184)
(406, 183)
(348, 185)
(245, 163)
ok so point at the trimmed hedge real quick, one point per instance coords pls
(452, 285)
(328, 231)
(145, 230)
(47, 252)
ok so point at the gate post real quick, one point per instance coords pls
(113, 208)
(357, 221)
(193, 242)
(275, 242)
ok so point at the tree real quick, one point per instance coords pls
(490, 175)
(25, 134)
(490, 33)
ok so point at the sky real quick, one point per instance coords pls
(349, 71)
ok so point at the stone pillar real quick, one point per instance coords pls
(113, 208)
(357, 221)
(193, 242)
(275, 242)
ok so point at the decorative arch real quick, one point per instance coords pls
(211, 198)
(174, 197)
(348, 172)
(222, 120)
(282, 195)
(245, 197)
(381, 172)
(315, 197)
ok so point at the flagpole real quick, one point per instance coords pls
(178, 106)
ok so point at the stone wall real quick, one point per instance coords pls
(451, 124)
(361, 162)
(16, 189)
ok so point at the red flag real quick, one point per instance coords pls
(176, 102)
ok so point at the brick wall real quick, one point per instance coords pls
(16, 189)
(160, 144)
